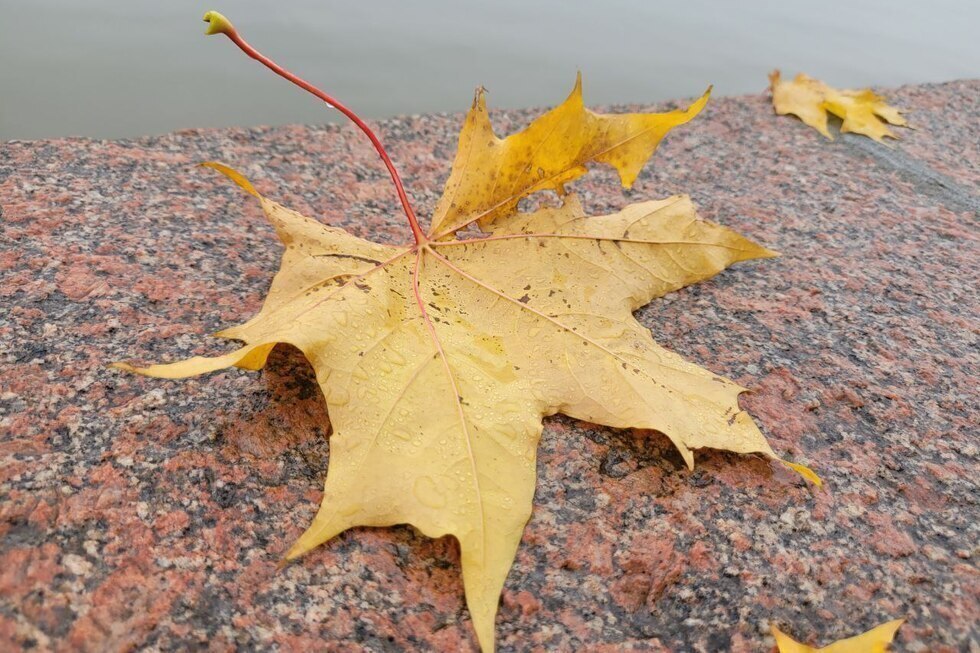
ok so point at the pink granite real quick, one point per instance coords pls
(145, 514)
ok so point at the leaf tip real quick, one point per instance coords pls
(234, 175)
(695, 108)
(322, 529)
(575, 97)
(688, 457)
(805, 472)
(217, 24)
(480, 98)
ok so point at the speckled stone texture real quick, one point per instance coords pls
(147, 514)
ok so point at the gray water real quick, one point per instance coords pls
(115, 68)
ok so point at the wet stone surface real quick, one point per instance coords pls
(142, 513)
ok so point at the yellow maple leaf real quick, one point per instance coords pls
(875, 640)
(862, 112)
(439, 360)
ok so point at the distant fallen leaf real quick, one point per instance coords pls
(875, 640)
(439, 360)
(862, 112)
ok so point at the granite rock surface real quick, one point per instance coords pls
(147, 514)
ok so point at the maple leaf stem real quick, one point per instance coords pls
(218, 24)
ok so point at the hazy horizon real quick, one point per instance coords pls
(109, 69)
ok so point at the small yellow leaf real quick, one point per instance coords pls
(875, 640)
(862, 112)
